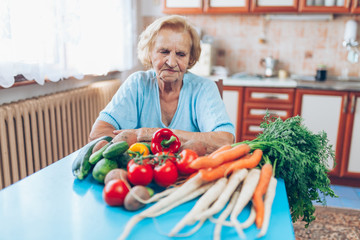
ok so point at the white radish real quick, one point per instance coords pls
(269, 198)
(251, 219)
(204, 202)
(235, 179)
(187, 198)
(220, 221)
(245, 196)
(188, 187)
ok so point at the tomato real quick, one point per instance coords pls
(165, 174)
(139, 174)
(115, 192)
(186, 157)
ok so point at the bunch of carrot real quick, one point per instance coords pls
(228, 175)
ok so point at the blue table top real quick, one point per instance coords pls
(52, 204)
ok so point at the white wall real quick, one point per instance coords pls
(150, 8)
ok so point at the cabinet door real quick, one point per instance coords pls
(355, 6)
(182, 6)
(351, 155)
(226, 6)
(266, 6)
(324, 6)
(232, 97)
(324, 111)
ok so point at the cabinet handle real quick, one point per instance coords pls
(352, 108)
(345, 104)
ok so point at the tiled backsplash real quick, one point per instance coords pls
(298, 45)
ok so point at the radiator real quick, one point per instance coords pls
(36, 132)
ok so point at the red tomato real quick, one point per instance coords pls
(139, 174)
(165, 174)
(115, 192)
(186, 157)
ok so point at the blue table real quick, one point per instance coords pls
(51, 204)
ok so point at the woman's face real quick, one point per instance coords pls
(170, 55)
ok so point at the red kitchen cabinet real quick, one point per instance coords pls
(263, 6)
(350, 161)
(233, 100)
(336, 113)
(205, 6)
(355, 8)
(323, 8)
(257, 100)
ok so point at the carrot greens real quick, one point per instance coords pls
(302, 161)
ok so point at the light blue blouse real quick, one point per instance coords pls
(136, 104)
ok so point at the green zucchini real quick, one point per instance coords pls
(97, 156)
(81, 166)
(115, 149)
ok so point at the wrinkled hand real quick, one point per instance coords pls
(142, 134)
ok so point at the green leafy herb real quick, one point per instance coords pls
(302, 158)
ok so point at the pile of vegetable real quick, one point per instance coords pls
(224, 181)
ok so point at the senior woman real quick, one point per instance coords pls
(167, 95)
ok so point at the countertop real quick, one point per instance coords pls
(293, 82)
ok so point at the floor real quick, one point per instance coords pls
(349, 197)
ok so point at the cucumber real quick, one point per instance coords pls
(81, 166)
(102, 168)
(123, 159)
(115, 149)
(97, 156)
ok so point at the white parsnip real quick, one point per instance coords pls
(250, 220)
(203, 203)
(187, 198)
(225, 214)
(269, 198)
(235, 179)
(245, 196)
(191, 185)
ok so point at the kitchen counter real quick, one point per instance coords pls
(296, 82)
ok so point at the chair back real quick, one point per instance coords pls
(219, 84)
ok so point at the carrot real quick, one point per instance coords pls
(199, 161)
(221, 157)
(265, 176)
(251, 162)
(269, 198)
(215, 173)
(220, 149)
(212, 174)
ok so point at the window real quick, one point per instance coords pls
(55, 39)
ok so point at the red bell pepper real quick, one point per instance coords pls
(165, 140)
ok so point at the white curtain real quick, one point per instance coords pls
(55, 39)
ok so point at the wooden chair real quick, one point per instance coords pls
(220, 86)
